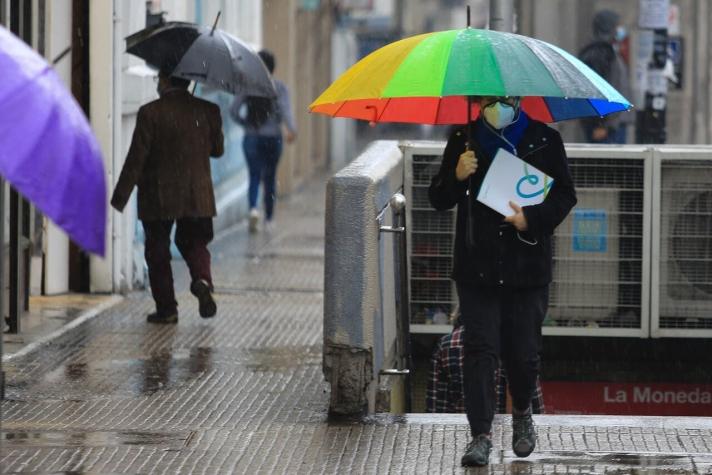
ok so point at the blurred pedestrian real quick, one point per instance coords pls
(445, 385)
(603, 56)
(262, 119)
(169, 162)
(502, 266)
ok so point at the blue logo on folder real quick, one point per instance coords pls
(533, 180)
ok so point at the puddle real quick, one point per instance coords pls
(137, 376)
(24, 439)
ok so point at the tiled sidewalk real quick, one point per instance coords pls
(244, 392)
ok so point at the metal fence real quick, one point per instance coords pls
(633, 259)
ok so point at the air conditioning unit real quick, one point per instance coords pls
(586, 258)
(599, 264)
(598, 249)
(685, 242)
(430, 237)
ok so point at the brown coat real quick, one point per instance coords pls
(169, 158)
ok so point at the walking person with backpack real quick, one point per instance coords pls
(604, 57)
(263, 119)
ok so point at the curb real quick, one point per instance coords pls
(83, 317)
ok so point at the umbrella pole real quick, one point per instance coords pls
(468, 231)
(215, 25)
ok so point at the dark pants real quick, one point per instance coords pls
(616, 135)
(500, 323)
(262, 154)
(192, 238)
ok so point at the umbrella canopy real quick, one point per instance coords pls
(426, 79)
(47, 149)
(208, 56)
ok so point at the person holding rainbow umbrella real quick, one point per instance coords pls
(502, 88)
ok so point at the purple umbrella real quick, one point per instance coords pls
(47, 149)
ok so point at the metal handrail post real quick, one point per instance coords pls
(398, 204)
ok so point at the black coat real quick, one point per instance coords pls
(496, 254)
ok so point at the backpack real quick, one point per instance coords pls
(259, 110)
(600, 57)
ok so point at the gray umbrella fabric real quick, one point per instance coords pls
(210, 57)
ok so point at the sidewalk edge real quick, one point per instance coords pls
(83, 317)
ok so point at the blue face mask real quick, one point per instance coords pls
(499, 114)
(621, 33)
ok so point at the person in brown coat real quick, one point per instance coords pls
(169, 161)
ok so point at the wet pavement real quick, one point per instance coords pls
(244, 392)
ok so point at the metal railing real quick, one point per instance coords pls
(397, 205)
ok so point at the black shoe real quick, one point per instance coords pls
(155, 317)
(206, 304)
(478, 452)
(523, 435)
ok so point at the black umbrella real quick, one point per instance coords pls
(208, 56)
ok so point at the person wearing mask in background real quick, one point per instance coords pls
(263, 118)
(169, 162)
(603, 56)
(502, 266)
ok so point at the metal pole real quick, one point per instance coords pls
(501, 15)
(653, 44)
(398, 204)
(400, 257)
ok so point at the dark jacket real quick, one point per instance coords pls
(169, 158)
(498, 254)
(604, 59)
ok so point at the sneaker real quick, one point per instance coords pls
(523, 434)
(206, 305)
(269, 227)
(254, 220)
(155, 317)
(478, 452)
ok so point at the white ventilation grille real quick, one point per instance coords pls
(601, 259)
(598, 249)
(430, 241)
(685, 266)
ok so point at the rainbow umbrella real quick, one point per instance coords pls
(431, 78)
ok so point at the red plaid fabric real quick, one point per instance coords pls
(445, 386)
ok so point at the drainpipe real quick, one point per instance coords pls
(501, 15)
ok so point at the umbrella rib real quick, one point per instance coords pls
(437, 110)
(593, 106)
(341, 106)
(388, 101)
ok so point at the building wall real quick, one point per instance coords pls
(301, 41)
(56, 244)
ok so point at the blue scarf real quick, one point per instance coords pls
(490, 139)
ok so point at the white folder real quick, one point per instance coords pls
(510, 178)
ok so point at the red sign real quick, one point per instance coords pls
(645, 399)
